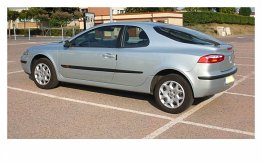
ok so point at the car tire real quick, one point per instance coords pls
(43, 74)
(173, 94)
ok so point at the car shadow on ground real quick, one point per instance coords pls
(134, 95)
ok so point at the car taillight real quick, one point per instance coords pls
(211, 58)
(230, 49)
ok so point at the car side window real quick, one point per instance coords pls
(183, 37)
(135, 37)
(103, 37)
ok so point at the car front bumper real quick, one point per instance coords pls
(25, 64)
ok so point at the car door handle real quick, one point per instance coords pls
(109, 55)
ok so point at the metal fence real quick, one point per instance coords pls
(43, 33)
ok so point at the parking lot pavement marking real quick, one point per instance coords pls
(240, 94)
(23, 43)
(244, 65)
(244, 76)
(186, 114)
(92, 104)
(241, 80)
(218, 128)
(10, 61)
(160, 130)
(245, 57)
(180, 118)
(240, 75)
(14, 72)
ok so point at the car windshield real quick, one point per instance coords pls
(186, 37)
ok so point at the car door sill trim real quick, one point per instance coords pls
(101, 69)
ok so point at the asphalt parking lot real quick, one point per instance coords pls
(77, 111)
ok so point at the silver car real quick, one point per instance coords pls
(173, 63)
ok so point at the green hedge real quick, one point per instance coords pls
(191, 18)
(40, 32)
(25, 31)
(67, 32)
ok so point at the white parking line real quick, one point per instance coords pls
(244, 65)
(186, 114)
(240, 75)
(241, 80)
(29, 43)
(158, 131)
(218, 128)
(180, 118)
(24, 43)
(92, 103)
(244, 76)
(245, 57)
(10, 61)
(240, 94)
(14, 72)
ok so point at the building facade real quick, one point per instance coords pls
(162, 17)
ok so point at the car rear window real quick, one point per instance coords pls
(183, 37)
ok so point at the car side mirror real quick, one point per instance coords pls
(67, 44)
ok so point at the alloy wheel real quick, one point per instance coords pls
(42, 74)
(171, 94)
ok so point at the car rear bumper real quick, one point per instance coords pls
(210, 85)
(217, 76)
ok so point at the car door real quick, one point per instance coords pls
(92, 55)
(133, 60)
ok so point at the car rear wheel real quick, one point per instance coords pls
(173, 94)
(43, 74)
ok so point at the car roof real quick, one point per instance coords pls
(152, 24)
(147, 24)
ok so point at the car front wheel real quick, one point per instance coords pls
(173, 94)
(43, 74)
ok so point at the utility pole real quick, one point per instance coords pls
(84, 17)
(111, 19)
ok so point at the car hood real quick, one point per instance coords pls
(46, 47)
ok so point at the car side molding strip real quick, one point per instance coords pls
(101, 69)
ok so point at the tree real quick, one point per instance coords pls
(39, 15)
(141, 9)
(73, 11)
(77, 14)
(198, 9)
(25, 15)
(51, 10)
(148, 9)
(245, 11)
(60, 18)
(11, 16)
(167, 9)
